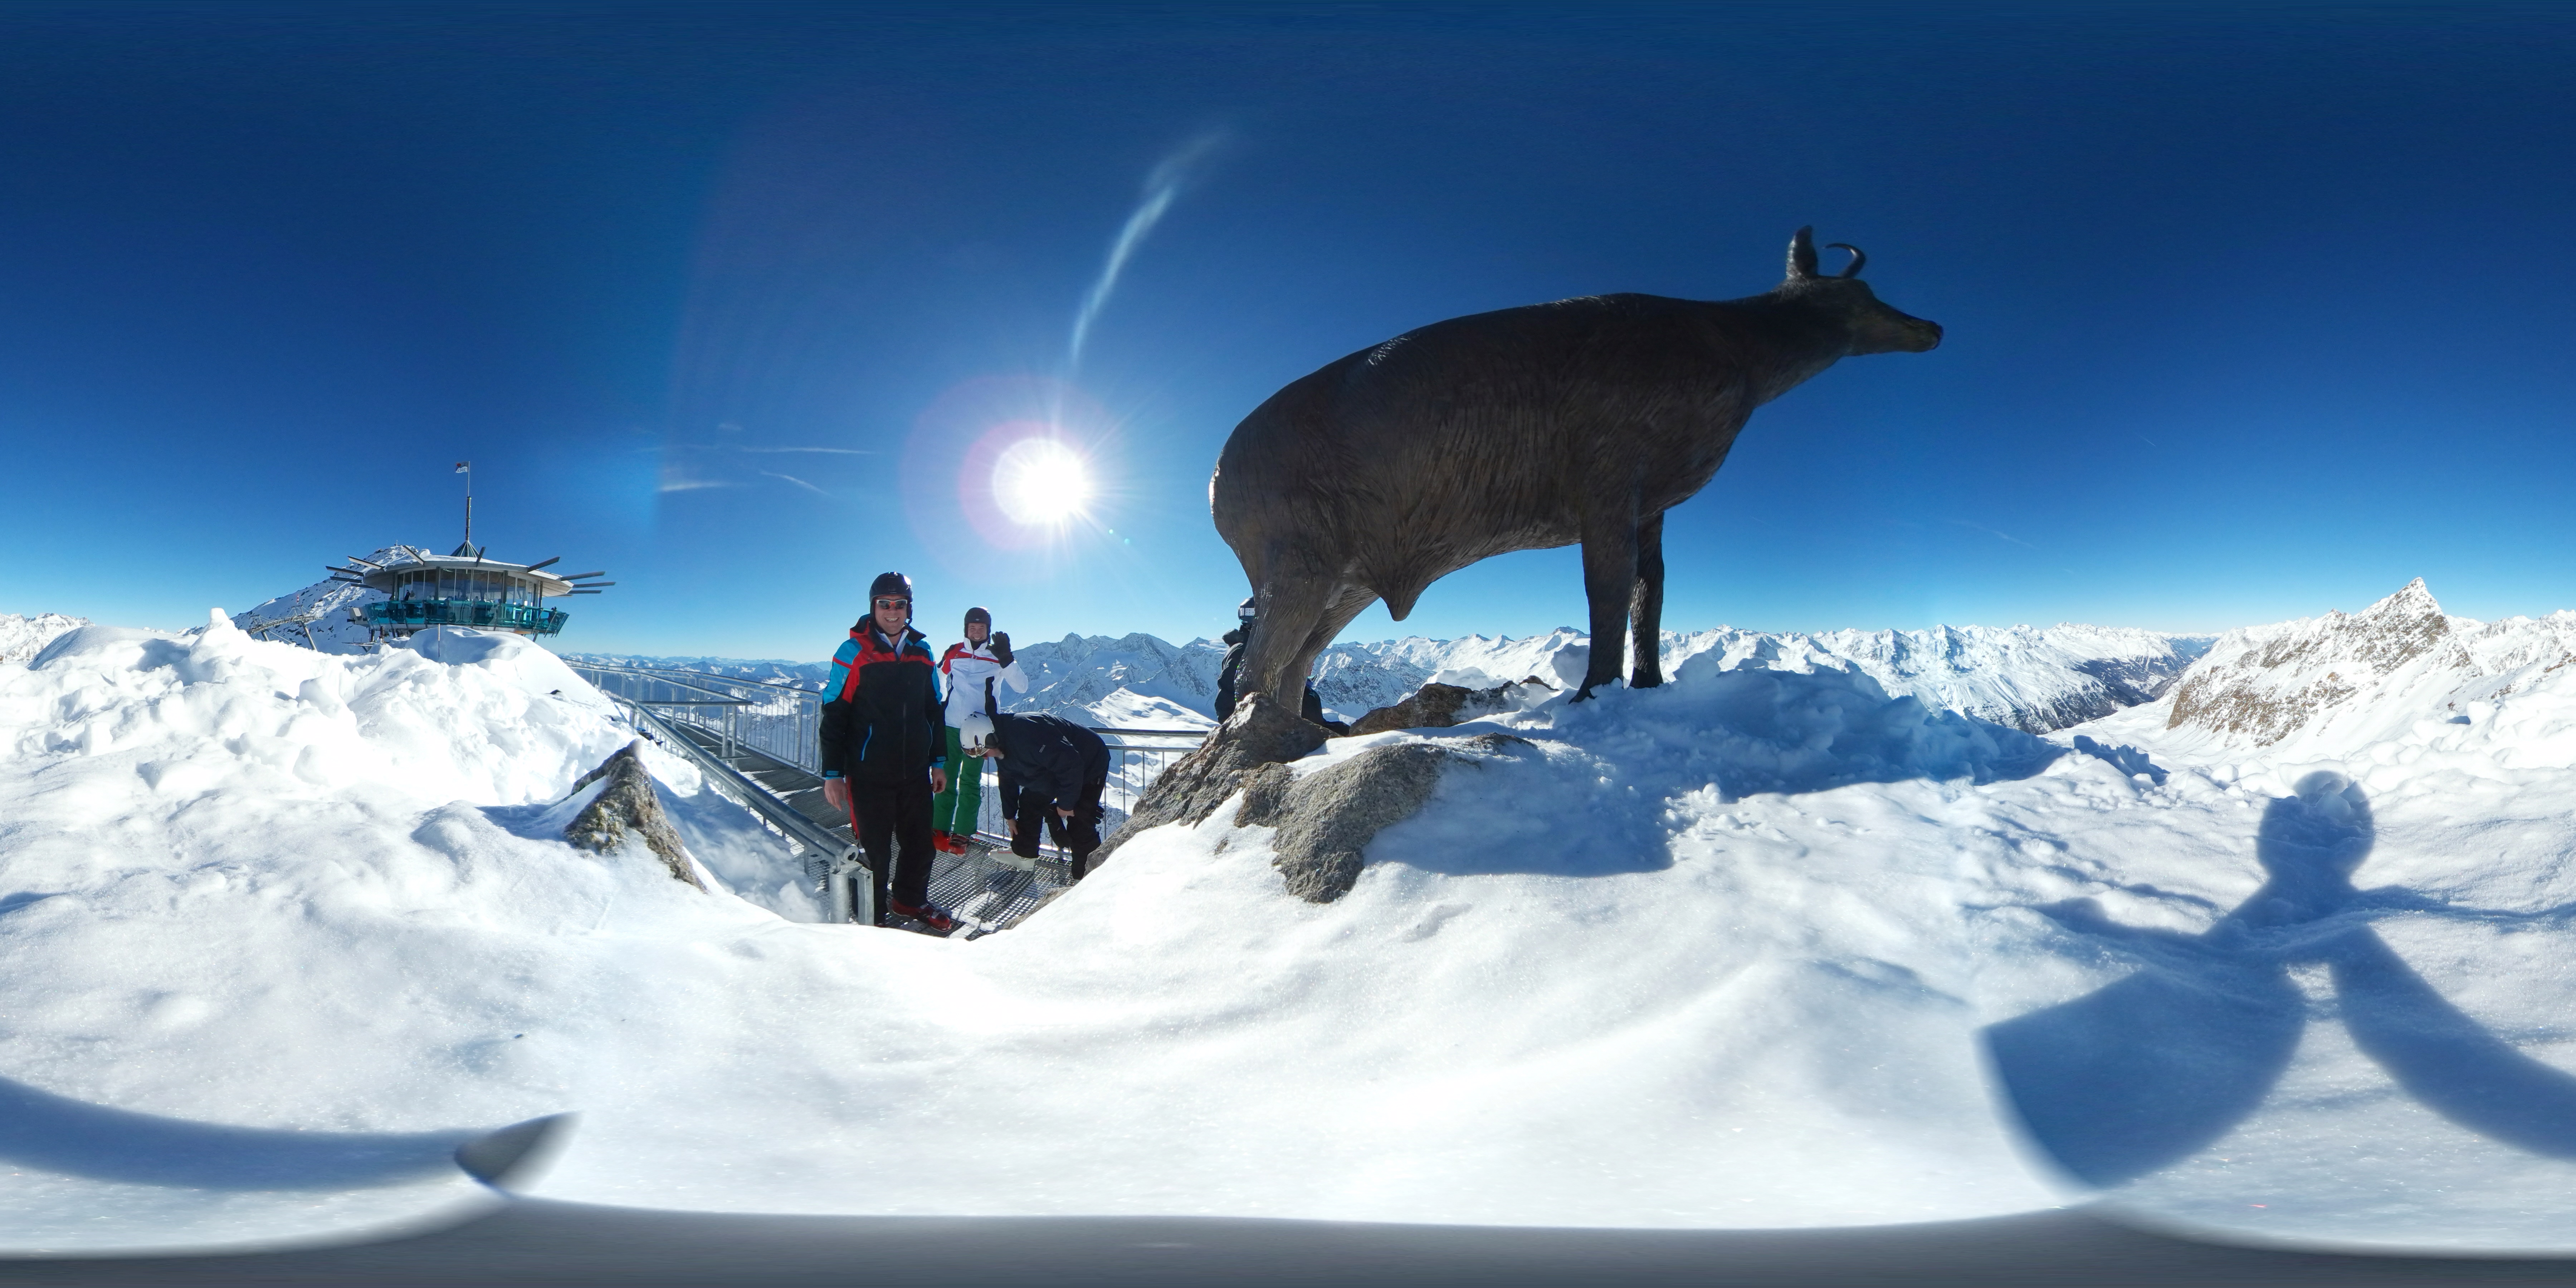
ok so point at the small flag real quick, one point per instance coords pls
(462, 466)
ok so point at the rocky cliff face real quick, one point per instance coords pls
(2399, 659)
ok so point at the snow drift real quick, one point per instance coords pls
(300, 895)
(1733, 952)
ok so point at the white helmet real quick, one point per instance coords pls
(975, 730)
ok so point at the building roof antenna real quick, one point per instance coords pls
(466, 468)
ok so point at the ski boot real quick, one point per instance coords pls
(928, 914)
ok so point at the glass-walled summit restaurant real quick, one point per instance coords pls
(465, 589)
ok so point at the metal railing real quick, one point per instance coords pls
(781, 721)
(1136, 758)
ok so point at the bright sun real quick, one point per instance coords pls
(1040, 482)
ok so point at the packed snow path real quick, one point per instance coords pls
(1747, 950)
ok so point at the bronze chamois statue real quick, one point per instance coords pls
(1582, 420)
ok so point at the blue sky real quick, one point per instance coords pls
(2251, 312)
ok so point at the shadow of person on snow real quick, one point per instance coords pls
(75, 1138)
(2146, 1071)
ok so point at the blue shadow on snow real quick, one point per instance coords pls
(2147, 1071)
(75, 1138)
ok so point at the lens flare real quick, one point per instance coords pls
(1041, 482)
(1013, 464)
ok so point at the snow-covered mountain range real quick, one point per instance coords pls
(2326, 682)
(21, 638)
(2035, 679)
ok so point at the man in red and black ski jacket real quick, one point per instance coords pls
(883, 748)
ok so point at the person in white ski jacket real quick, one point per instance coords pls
(971, 669)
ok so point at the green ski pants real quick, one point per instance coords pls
(955, 809)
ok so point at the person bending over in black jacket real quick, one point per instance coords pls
(883, 747)
(1053, 772)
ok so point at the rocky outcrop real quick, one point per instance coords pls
(1438, 706)
(628, 808)
(1326, 819)
(1260, 732)
(2265, 683)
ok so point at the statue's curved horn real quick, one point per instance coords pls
(1802, 253)
(1858, 258)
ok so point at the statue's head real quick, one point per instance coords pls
(1872, 327)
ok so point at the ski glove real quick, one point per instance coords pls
(1001, 647)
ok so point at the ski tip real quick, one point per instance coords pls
(517, 1154)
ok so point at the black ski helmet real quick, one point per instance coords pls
(980, 614)
(889, 583)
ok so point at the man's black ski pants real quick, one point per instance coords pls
(1079, 838)
(892, 821)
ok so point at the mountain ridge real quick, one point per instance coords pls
(2034, 679)
(23, 637)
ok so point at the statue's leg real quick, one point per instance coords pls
(1646, 608)
(1609, 574)
(1292, 602)
(1348, 604)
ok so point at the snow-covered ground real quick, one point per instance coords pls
(2394, 1005)
(1764, 947)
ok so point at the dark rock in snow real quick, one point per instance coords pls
(1261, 732)
(628, 806)
(1327, 818)
(1438, 706)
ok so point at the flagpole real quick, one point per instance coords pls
(466, 468)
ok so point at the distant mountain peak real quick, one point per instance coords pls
(2264, 684)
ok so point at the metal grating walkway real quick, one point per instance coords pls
(987, 889)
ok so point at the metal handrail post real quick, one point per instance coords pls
(840, 892)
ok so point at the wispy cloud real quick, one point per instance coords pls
(683, 483)
(2000, 536)
(1161, 186)
(719, 464)
(797, 481)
